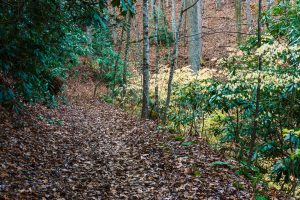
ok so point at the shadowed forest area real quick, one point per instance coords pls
(150, 99)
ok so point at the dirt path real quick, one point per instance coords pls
(94, 151)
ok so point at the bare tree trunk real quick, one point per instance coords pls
(116, 64)
(238, 15)
(165, 27)
(185, 27)
(270, 4)
(89, 33)
(249, 15)
(200, 9)
(151, 6)
(163, 10)
(156, 104)
(257, 101)
(194, 36)
(173, 21)
(146, 75)
(114, 33)
(126, 53)
(173, 62)
(137, 45)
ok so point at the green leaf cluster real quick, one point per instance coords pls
(41, 41)
(226, 107)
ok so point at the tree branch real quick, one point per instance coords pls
(186, 9)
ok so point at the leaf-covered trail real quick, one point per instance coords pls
(94, 151)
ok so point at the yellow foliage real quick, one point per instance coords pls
(182, 76)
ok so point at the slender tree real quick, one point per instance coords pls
(249, 15)
(200, 10)
(174, 56)
(173, 20)
(257, 100)
(113, 24)
(270, 4)
(238, 16)
(173, 61)
(146, 74)
(165, 24)
(89, 33)
(128, 34)
(115, 70)
(185, 27)
(151, 6)
(156, 104)
(137, 44)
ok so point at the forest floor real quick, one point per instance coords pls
(91, 150)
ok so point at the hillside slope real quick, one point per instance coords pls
(219, 32)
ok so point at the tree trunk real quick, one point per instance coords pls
(194, 36)
(137, 45)
(249, 15)
(238, 16)
(89, 33)
(173, 20)
(151, 6)
(113, 29)
(185, 27)
(165, 25)
(146, 47)
(270, 4)
(126, 53)
(173, 62)
(117, 64)
(156, 103)
(257, 101)
(200, 9)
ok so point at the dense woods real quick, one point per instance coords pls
(219, 76)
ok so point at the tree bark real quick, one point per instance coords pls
(185, 27)
(238, 16)
(138, 47)
(249, 15)
(156, 103)
(257, 101)
(173, 62)
(89, 33)
(200, 9)
(194, 35)
(113, 30)
(126, 52)
(173, 20)
(270, 4)
(146, 47)
(117, 64)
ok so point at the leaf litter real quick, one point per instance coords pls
(96, 151)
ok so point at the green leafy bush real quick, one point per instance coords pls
(275, 152)
(41, 41)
